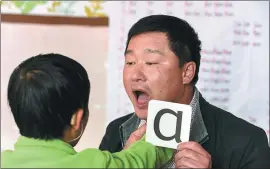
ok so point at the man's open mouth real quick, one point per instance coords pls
(142, 98)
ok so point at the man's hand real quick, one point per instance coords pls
(135, 136)
(192, 155)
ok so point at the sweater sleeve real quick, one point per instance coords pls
(139, 155)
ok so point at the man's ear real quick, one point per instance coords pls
(188, 74)
(76, 119)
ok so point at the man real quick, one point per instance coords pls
(48, 96)
(162, 60)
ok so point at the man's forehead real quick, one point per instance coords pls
(152, 39)
(152, 42)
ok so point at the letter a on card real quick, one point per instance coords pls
(168, 123)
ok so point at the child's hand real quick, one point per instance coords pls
(136, 136)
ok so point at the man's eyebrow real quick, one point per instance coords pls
(128, 51)
(154, 51)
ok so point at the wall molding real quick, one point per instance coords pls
(55, 20)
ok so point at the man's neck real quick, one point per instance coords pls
(187, 95)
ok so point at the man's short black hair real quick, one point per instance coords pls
(44, 92)
(183, 40)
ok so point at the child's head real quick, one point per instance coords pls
(48, 95)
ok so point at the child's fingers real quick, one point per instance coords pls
(136, 136)
(140, 131)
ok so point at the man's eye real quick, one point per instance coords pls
(130, 63)
(150, 63)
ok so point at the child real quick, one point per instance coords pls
(48, 96)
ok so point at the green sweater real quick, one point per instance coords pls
(32, 153)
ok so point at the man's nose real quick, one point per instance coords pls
(138, 74)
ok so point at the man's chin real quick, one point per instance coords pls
(142, 114)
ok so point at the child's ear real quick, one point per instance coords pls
(76, 119)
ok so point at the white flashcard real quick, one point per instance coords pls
(168, 123)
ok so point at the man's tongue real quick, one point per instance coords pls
(143, 98)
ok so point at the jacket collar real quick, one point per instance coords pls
(128, 127)
(198, 131)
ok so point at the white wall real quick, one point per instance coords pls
(87, 45)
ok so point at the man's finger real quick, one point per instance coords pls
(190, 154)
(188, 163)
(187, 153)
(192, 146)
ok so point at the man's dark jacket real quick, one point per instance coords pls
(232, 143)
